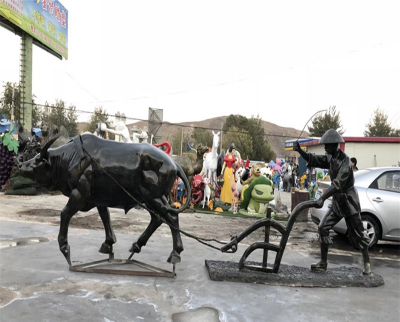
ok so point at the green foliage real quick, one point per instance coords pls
(395, 133)
(243, 141)
(202, 136)
(379, 126)
(248, 136)
(8, 140)
(100, 116)
(57, 115)
(324, 122)
(121, 116)
(71, 125)
(178, 139)
(10, 103)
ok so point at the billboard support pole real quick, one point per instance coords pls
(26, 82)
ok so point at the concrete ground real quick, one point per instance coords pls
(36, 285)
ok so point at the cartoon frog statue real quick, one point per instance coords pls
(257, 193)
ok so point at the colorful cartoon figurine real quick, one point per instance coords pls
(197, 189)
(257, 196)
(229, 178)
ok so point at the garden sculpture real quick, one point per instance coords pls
(207, 192)
(192, 167)
(257, 196)
(197, 189)
(121, 131)
(345, 201)
(211, 160)
(93, 172)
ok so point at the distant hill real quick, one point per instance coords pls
(277, 135)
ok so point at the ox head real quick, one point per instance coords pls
(38, 168)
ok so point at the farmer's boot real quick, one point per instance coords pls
(322, 265)
(367, 264)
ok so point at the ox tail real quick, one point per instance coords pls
(181, 174)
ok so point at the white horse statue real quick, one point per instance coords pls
(121, 131)
(211, 160)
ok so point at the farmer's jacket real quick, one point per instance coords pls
(345, 198)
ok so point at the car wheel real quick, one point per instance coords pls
(371, 228)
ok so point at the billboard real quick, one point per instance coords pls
(45, 20)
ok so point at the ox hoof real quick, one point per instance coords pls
(174, 258)
(106, 248)
(135, 248)
(65, 250)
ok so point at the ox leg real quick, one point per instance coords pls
(155, 222)
(175, 256)
(162, 206)
(106, 247)
(66, 214)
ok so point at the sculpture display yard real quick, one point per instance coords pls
(93, 172)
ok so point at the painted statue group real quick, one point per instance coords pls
(93, 172)
(225, 182)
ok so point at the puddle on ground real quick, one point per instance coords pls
(201, 314)
(22, 241)
(40, 212)
(6, 296)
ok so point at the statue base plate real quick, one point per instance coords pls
(294, 276)
(121, 267)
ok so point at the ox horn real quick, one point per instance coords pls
(43, 152)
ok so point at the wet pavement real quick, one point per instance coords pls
(36, 285)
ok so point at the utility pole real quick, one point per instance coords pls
(13, 104)
(25, 117)
(181, 139)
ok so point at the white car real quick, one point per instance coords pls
(379, 193)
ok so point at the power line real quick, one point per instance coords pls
(165, 123)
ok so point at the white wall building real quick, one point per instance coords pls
(369, 151)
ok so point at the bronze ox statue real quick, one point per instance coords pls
(93, 172)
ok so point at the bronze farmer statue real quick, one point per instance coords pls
(345, 201)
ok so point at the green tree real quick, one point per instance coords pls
(57, 116)
(100, 115)
(202, 136)
(324, 122)
(260, 148)
(379, 126)
(180, 137)
(121, 116)
(395, 133)
(72, 118)
(10, 103)
(242, 140)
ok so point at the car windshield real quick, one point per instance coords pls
(361, 173)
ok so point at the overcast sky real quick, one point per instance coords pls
(281, 60)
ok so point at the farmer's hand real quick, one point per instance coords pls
(296, 147)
